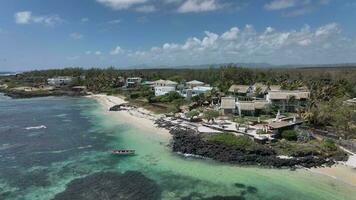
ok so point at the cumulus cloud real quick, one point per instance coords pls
(116, 51)
(76, 36)
(120, 4)
(26, 17)
(324, 44)
(98, 53)
(199, 6)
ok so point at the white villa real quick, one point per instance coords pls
(162, 87)
(60, 80)
(162, 90)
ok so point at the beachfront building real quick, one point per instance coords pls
(194, 83)
(251, 108)
(163, 83)
(287, 100)
(133, 81)
(241, 90)
(228, 105)
(162, 90)
(60, 80)
(162, 87)
(189, 93)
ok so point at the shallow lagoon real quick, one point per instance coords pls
(70, 138)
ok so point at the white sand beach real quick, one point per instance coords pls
(138, 117)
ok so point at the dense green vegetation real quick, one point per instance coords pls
(241, 142)
(290, 135)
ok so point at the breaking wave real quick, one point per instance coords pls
(35, 127)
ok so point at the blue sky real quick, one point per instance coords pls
(37, 34)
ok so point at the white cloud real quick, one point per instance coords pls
(23, 17)
(116, 51)
(97, 53)
(76, 36)
(26, 17)
(324, 44)
(231, 34)
(120, 4)
(146, 8)
(199, 6)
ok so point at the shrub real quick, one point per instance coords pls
(290, 135)
(210, 115)
(329, 145)
(242, 142)
(134, 95)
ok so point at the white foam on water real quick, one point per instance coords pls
(35, 127)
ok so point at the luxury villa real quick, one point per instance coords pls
(256, 99)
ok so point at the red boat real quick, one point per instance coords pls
(123, 152)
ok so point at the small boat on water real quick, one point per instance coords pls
(123, 152)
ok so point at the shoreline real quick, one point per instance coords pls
(139, 118)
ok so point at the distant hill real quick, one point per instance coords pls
(247, 65)
(202, 66)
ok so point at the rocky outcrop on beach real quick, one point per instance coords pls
(190, 142)
(110, 185)
(121, 107)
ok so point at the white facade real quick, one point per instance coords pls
(162, 90)
(60, 80)
(189, 93)
(133, 81)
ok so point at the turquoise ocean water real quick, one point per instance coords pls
(47, 142)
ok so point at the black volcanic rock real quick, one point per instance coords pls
(189, 142)
(111, 186)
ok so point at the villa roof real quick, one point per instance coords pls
(252, 105)
(239, 88)
(228, 103)
(260, 104)
(281, 95)
(195, 82)
(165, 82)
(275, 87)
(246, 106)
